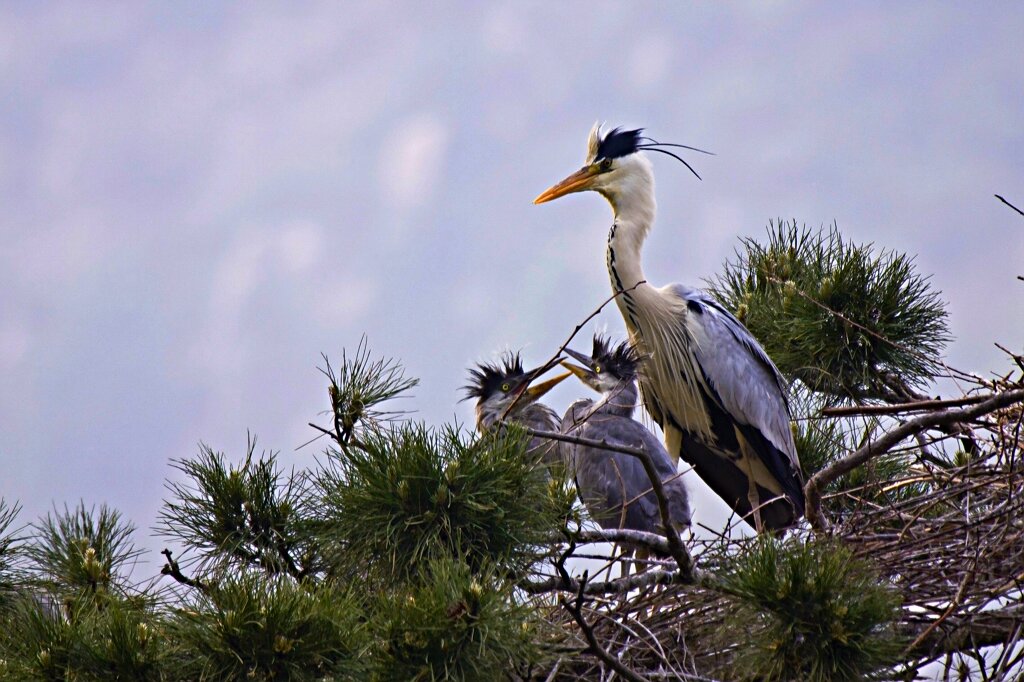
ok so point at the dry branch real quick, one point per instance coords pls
(890, 439)
(899, 408)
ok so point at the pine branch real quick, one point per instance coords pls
(619, 586)
(172, 569)
(812, 491)
(575, 609)
(899, 408)
(652, 541)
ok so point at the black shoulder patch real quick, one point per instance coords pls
(618, 143)
(695, 306)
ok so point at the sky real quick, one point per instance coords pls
(200, 198)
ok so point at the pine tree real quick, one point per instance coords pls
(418, 552)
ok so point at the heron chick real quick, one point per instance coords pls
(706, 381)
(615, 487)
(504, 394)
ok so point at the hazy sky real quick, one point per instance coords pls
(199, 198)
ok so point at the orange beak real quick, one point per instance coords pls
(577, 182)
(535, 392)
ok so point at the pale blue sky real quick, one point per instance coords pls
(199, 199)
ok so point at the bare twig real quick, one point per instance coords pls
(172, 569)
(1008, 204)
(812, 491)
(913, 406)
(553, 360)
(675, 544)
(575, 609)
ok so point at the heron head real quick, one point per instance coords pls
(498, 385)
(607, 366)
(613, 164)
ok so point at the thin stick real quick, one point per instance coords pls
(812, 491)
(575, 609)
(913, 406)
(675, 544)
(1008, 204)
(553, 360)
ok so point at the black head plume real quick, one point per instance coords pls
(618, 142)
(621, 360)
(487, 378)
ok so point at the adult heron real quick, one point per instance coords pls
(504, 393)
(706, 381)
(613, 486)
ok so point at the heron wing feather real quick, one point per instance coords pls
(742, 377)
(609, 480)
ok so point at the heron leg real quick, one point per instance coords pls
(673, 442)
(626, 561)
(753, 497)
(747, 455)
(641, 556)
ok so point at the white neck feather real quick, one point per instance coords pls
(632, 200)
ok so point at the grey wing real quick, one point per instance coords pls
(748, 383)
(610, 481)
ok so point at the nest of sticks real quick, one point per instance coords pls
(947, 533)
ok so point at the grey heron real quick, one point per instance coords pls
(503, 392)
(706, 381)
(615, 487)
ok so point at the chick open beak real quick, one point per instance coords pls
(536, 391)
(577, 182)
(582, 373)
(586, 360)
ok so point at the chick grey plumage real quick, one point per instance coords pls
(706, 381)
(499, 386)
(614, 486)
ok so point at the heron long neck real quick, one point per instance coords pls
(622, 399)
(634, 208)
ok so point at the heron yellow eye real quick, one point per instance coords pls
(505, 387)
(597, 369)
(606, 164)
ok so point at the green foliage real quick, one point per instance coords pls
(127, 642)
(847, 320)
(117, 642)
(254, 626)
(457, 625)
(358, 387)
(414, 494)
(76, 615)
(245, 515)
(11, 554)
(78, 554)
(821, 441)
(38, 643)
(808, 611)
